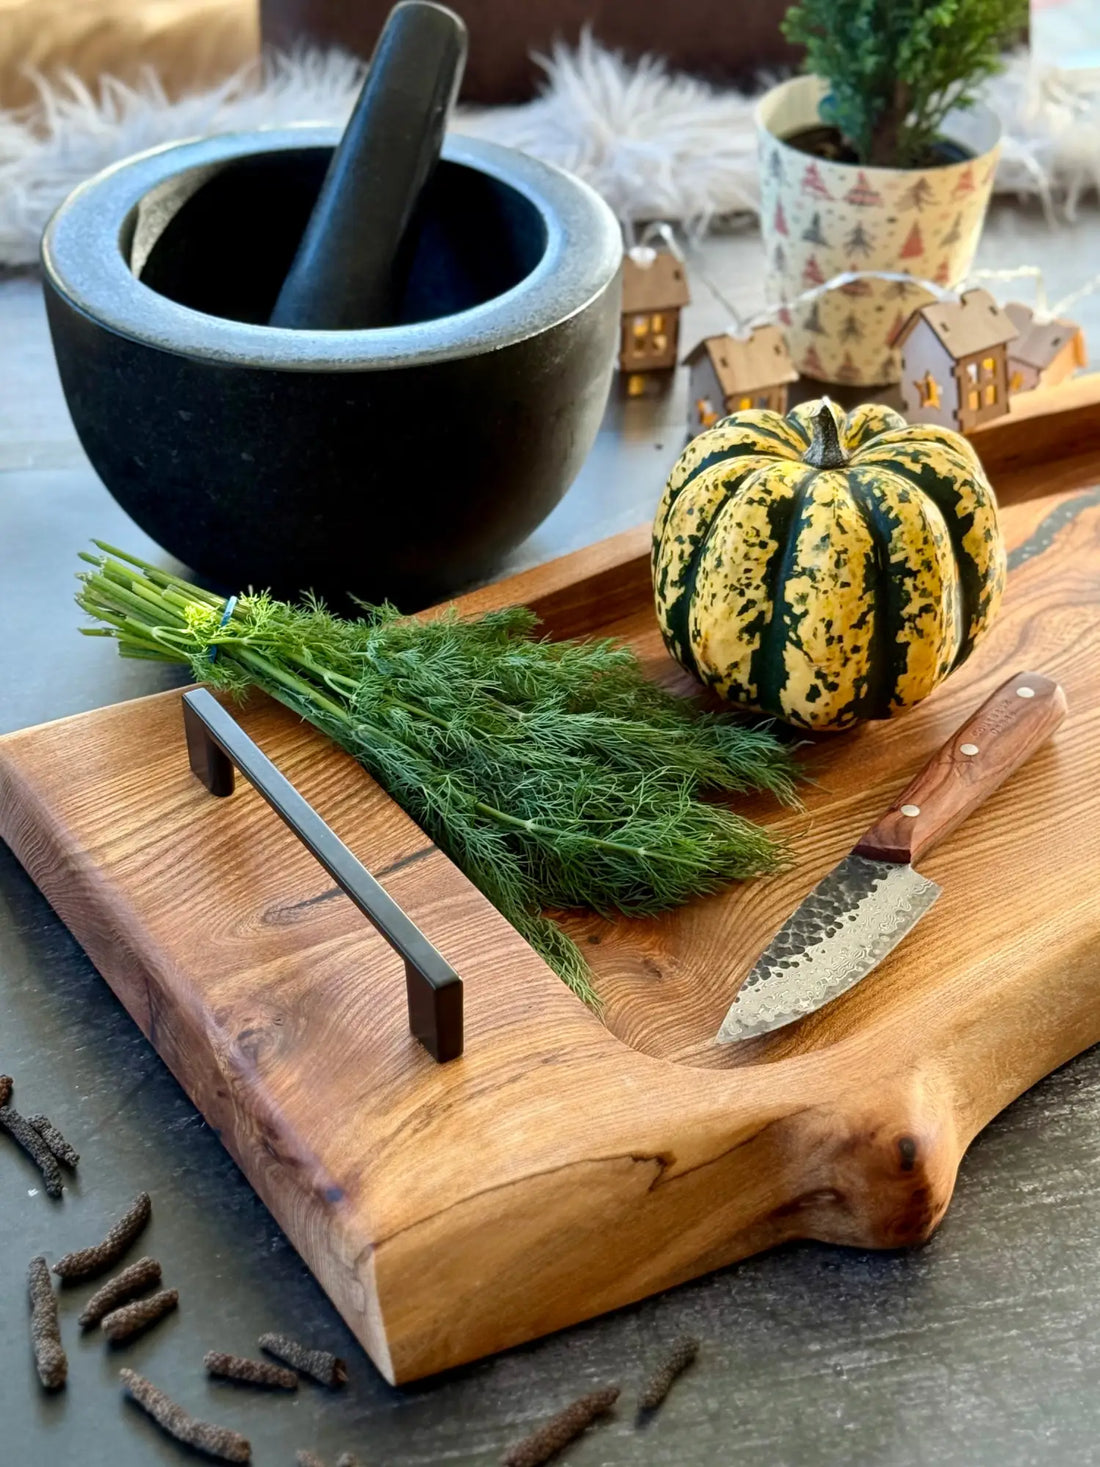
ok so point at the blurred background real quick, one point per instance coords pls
(192, 43)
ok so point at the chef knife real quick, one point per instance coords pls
(867, 904)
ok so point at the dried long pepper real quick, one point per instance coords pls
(215, 1441)
(53, 1138)
(49, 1353)
(7, 1085)
(319, 1365)
(249, 1372)
(554, 773)
(123, 1323)
(87, 1262)
(560, 1430)
(667, 1373)
(133, 1280)
(22, 1132)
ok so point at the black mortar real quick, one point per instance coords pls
(399, 462)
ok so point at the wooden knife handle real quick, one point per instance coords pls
(1006, 730)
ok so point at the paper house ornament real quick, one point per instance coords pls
(655, 290)
(729, 374)
(1044, 353)
(955, 362)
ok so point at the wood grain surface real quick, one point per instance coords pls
(565, 1166)
(1013, 722)
(1049, 440)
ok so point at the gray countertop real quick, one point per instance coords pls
(982, 1347)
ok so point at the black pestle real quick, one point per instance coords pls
(346, 274)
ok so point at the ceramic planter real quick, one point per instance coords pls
(821, 218)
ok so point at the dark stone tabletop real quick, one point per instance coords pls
(981, 1348)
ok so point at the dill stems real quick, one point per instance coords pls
(553, 773)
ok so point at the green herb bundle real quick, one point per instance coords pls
(553, 773)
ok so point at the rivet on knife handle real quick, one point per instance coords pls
(1006, 730)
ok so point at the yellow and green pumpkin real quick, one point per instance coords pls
(826, 568)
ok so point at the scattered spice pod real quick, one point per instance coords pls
(215, 1441)
(53, 1138)
(347, 1459)
(21, 1131)
(308, 1459)
(249, 1372)
(7, 1085)
(122, 1324)
(49, 1352)
(88, 1262)
(133, 1280)
(319, 1365)
(560, 1430)
(664, 1377)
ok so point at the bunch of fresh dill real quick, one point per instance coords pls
(553, 773)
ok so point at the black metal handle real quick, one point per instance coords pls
(215, 744)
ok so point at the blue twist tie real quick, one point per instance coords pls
(230, 605)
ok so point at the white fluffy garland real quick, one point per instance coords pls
(656, 144)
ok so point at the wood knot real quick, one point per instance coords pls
(888, 1174)
(259, 1034)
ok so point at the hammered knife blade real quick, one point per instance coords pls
(866, 905)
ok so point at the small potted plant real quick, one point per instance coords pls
(879, 159)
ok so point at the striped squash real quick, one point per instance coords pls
(826, 568)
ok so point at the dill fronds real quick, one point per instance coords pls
(554, 774)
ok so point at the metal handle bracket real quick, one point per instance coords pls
(216, 745)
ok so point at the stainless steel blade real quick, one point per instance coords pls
(843, 929)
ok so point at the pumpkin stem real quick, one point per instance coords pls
(826, 450)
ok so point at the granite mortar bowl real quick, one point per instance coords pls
(401, 462)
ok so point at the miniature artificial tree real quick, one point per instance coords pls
(896, 68)
(871, 168)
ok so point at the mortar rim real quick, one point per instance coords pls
(97, 280)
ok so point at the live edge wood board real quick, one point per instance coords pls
(567, 1165)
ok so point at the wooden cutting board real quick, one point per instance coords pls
(565, 1166)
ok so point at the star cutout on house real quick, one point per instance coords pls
(929, 390)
